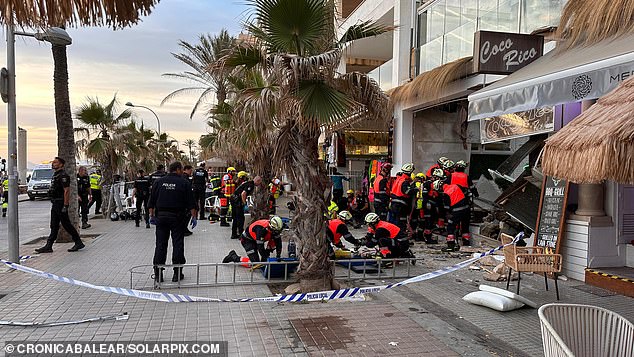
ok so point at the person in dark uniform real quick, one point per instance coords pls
(84, 195)
(187, 175)
(238, 201)
(199, 185)
(60, 199)
(142, 194)
(170, 200)
(160, 172)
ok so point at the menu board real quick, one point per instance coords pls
(516, 125)
(552, 210)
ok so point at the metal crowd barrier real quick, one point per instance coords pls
(223, 274)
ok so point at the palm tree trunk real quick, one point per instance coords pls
(65, 133)
(262, 166)
(308, 226)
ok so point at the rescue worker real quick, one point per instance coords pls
(391, 240)
(214, 189)
(187, 175)
(275, 190)
(60, 200)
(417, 218)
(447, 167)
(439, 206)
(141, 191)
(350, 201)
(171, 198)
(228, 188)
(430, 212)
(437, 165)
(336, 229)
(95, 189)
(459, 215)
(239, 200)
(333, 208)
(401, 196)
(382, 191)
(83, 195)
(5, 196)
(199, 185)
(360, 208)
(460, 178)
(260, 233)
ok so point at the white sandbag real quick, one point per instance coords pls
(508, 294)
(492, 301)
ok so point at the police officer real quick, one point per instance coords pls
(199, 185)
(160, 172)
(142, 194)
(84, 195)
(95, 190)
(60, 199)
(239, 200)
(171, 199)
(5, 195)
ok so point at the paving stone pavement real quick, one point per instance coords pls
(427, 319)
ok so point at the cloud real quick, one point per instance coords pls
(127, 62)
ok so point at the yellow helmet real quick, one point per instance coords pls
(231, 168)
(350, 192)
(421, 175)
(242, 174)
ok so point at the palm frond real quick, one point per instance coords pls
(364, 30)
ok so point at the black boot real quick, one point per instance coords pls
(47, 248)
(77, 247)
(232, 257)
(178, 275)
(223, 222)
(158, 275)
(85, 225)
(136, 223)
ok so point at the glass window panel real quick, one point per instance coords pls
(540, 13)
(431, 55)
(508, 16)
(469, 11)
(488, 20)
(422, 29)
(452, 18)
(437, 21)
(488, 4)
(459, 42)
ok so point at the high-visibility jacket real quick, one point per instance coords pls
(95, 181)
(333, 208)
(275, 190)
(333, 226)
(5, 184)
(385, 229)
(228, 186)
(419, 195)
(461, 179)
(455, 195)
(398, 190)
(264, 223)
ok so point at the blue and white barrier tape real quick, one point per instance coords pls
(315, 296)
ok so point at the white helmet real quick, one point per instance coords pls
(344, 216)
(276, 224)
(439, 173)
(372, 218)
(408, 168)
(437, 185)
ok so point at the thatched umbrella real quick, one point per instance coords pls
(598, 145)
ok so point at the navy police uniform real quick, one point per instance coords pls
(199, 185)
(171, 198)
(83, 191)
(142, 194)
(237, 208)
(59, 212)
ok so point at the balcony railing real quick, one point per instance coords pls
(383, 75)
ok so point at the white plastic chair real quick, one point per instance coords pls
(572, 330)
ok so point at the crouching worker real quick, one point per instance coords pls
(337, 229)
(259, 240)
(459, 213)
(391, 240)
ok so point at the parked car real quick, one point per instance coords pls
(40, 181)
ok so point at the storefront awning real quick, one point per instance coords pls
(599, 144)
(577, 74)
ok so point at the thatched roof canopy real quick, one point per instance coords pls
(49, 13)
(597, 145)
(431, 84)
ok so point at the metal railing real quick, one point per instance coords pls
(223, 274)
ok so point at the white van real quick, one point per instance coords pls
(40, 181)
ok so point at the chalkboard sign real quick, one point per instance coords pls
(552, 208)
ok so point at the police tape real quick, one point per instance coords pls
(118, 317)
(327, 295)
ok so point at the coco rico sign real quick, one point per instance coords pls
(505, 53)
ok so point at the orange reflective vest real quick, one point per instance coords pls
(333, 226)
(228, 186)
(397, 190)
(461, 179)
(455, 194)
(275, 190)
(264, 223)
(391, 228)
(377, 185)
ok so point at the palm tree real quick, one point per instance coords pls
(295, 44)
(190, 143)
(198, 57)
(44, 14)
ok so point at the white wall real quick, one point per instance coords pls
(402, 150)
(403, 16)
(574, 249)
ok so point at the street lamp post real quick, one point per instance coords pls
(129, 104)
(54, 36)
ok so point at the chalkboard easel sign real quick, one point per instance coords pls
(551, 217)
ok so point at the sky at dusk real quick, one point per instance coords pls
(128, 63)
